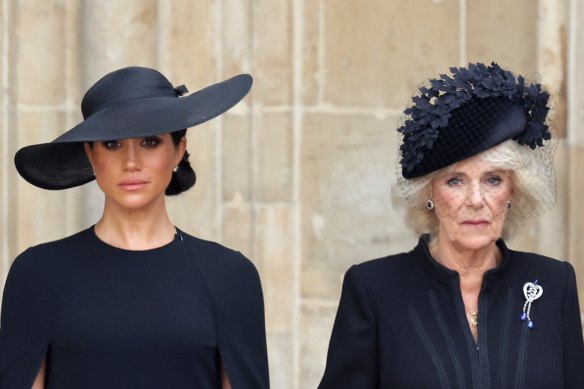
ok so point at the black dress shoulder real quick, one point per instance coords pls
(105, 317)
(401, 323)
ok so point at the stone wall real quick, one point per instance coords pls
(297, 176)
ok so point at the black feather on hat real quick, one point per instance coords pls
(467, 113)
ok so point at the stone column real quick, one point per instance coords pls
(39, 58)
(575, 141)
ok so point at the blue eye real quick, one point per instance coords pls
(494, 180)
(454, 181)
(111, 144)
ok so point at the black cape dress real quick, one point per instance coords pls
(401, 323)
(110, 318)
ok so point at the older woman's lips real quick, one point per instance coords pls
(133, 185)
(476, 223)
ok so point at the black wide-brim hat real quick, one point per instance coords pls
(132, 102)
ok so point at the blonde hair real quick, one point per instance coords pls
(534, 187)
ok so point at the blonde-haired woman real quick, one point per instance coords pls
(462, 310)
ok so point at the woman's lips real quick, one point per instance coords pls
(133, 185)
(476, 223)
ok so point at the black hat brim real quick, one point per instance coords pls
(62, 163)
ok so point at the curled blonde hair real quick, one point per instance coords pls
(533, 178)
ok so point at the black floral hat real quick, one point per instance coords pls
(458, 116)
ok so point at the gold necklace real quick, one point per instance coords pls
(474, 319)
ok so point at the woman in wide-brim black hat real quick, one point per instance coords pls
(461, 310)
(132, 302)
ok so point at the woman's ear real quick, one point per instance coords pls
(181, 148)
(88, 152)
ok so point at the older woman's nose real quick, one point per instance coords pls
(475, 196)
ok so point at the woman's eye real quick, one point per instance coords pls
(150, 142)
(111, 144)
(454, 181)
(495, 180)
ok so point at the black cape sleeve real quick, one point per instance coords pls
(238, 306)
(28, 307)
(352, 355)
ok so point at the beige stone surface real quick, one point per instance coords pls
(235, 36)
(273, 230)
(272, 51)
(312, 48)
(316, 324)
(272, 157)
(188, 33)
(377, 52)
(576, 217)
(347, 217)
(118, 33)
(40, 63)
(503, 31)
(280, 346)
(237, 232)
(236, 157)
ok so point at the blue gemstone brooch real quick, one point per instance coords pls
(532, 292)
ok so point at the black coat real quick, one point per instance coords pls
(104, 317)
(401, 323)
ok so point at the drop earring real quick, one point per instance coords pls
(509, 204)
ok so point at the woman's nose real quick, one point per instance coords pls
(475, 196)
(132, 158)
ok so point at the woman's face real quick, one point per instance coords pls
(134, 173)
(471, 202)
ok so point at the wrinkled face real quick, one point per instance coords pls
(471, 202)
(134, 173)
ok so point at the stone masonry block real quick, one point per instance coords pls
(40, 28)
(189, 42)
(272, 52)
(237, 226)
(236, 28)
(311, 48)
(236, 154)
(281, 358)
(576, 217)
(273, 252)
(316, 323)
(505, 32)
(377, 52)
(117, 34)
(347, 168)
(272, 157)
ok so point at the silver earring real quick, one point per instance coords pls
(509, 204)
(175, 169)
(430, 204)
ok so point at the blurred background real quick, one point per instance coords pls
(298, 175)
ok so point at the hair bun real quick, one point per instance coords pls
(183, 179)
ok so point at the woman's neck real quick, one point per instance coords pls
(135, 229)
(470, 264)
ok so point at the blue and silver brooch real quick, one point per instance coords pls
(532, 292)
